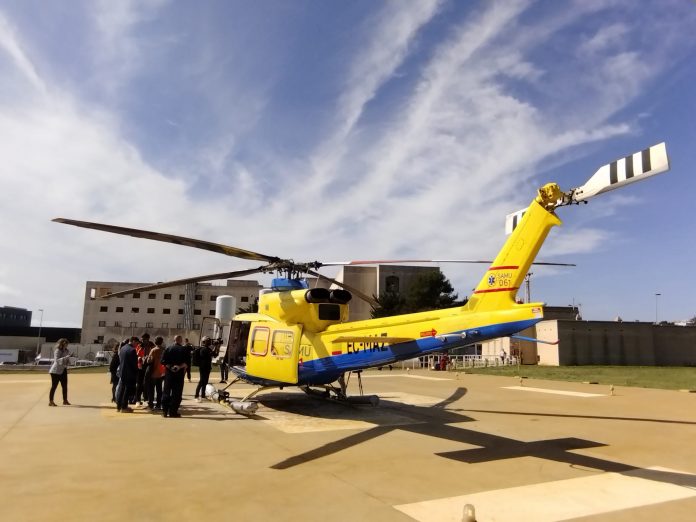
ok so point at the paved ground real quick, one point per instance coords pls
(434, 444)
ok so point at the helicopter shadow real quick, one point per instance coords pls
(437, 421)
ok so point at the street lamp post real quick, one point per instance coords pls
(38, 337)
(656, 300)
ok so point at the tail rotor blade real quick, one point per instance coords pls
(512, 220)
(635, 167)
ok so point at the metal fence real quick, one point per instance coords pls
(456, 362)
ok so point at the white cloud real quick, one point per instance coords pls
(434, 175)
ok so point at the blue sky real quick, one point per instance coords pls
(344, 130)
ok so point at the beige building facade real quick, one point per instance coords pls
(167, 312)
(373, 280)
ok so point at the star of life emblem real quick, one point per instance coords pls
(491, 280)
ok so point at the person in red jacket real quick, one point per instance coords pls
(156, 375)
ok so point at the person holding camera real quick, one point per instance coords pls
(205, 364)
(175, 359)
(59, 371)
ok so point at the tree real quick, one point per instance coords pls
(429, 291)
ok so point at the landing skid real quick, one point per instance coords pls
(242, 406)
(339, 394)
(246, 406)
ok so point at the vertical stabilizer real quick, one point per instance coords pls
(501, 282)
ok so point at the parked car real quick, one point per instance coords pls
(102, 358)
(83, 362)
(43, 361)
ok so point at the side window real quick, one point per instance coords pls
(281, 345)
(392, 284)
(259, 340)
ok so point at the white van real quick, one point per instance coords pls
(102, 358)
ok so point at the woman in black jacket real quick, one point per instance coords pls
(113, 370)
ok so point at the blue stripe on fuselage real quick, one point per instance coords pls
(327, 369)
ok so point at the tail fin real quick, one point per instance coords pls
(499, 285)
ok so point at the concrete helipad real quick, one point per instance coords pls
(545, 451)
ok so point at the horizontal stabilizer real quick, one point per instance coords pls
(371, 339)
(532, 339)
(512, 220)
(635, 167)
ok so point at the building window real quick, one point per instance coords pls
(212, 313)
(136, 295)
(103, 308)
(196, 326)
(151, 296)
(179, 325)
(213, 297)
(148, 325)
(102, 323)
(165, 325)
(244, 299)
(196, 312)
(117, 323)
(150, 310)
(167, 296)
(199, 297)
(181, 312)
(100, 339)
(166, 311)
(182, 297)
(392, 283)
(134, 324)
(119, 309)
(135, 310)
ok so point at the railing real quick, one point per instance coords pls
(457, 362)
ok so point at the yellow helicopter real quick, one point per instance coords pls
(301, 336)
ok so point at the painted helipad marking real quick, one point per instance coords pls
(552, 501)
(554, 392)
(407, 376)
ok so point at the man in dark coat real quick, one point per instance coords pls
(205, 364)
(175, 360)
(127, 374)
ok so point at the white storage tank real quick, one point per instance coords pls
(225, 308)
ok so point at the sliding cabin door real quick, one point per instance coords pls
(273, 352)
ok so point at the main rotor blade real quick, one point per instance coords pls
(179, 282)
(169, 238)
(352, 290)
(397, 261)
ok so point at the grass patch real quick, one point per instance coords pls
(662, 377)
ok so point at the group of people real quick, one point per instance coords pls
(143, 370)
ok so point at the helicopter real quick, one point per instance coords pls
(301, 336)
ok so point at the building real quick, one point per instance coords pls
(11, 316)
(167, 312)
(618, 343)
(373, 280)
